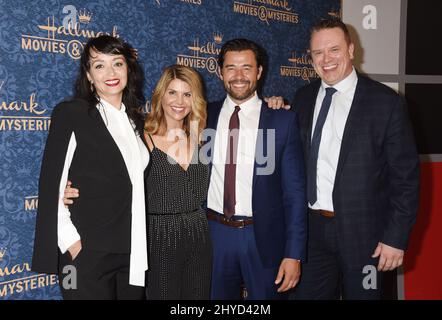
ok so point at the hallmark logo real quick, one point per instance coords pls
(84, 16)
(267, 10)
(204, 56)
(55, 40)
(26, 116)
(301, 68)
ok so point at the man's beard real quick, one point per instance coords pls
(240, 96)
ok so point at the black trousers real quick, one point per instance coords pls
(95, 275)
(327, 276)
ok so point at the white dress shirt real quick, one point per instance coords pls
(136, 158)
(248, 132)
(332, 132)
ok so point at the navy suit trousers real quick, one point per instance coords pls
(236, 262)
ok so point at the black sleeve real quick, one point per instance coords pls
(45, 256)
(403, 169)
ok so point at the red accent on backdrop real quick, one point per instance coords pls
(423, 259)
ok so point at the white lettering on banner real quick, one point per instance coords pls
(74, 25)
(8, 288)
(17, 123)
(31, 203)
(261, 11)
(370, 21)
(204, 56)
(301, 68)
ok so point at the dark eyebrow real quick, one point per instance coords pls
(242, 65)
(113, 59)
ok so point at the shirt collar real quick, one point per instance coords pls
(345, 84)
(247, 107)
(110, 108)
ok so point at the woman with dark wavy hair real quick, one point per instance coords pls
(98, 246)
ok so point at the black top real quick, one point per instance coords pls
(171, 188)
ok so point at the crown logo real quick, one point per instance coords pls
(84, 16)
(23, 171)
(335, 14)
(2, 253)
(218, 37)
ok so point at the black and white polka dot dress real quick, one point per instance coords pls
(180, 250)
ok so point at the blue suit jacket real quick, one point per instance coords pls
(376, 190)
(278, 198)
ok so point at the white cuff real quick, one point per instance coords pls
(67, 236)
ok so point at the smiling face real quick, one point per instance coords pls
(240, 74)
(176, 102)
(108, 73)
(332, 55)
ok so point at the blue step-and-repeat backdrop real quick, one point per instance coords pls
(40, 45)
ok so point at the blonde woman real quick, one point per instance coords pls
(178, 236)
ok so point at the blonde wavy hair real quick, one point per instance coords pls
(155, 121)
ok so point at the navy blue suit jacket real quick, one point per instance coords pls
(376, 190)
(278, 198)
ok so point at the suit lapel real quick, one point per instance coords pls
(353, 121)
(261, 144)
(309, 115)
(214, 111)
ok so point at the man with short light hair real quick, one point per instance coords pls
(362, 173)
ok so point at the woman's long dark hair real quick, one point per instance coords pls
(133, 97)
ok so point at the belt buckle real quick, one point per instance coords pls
(242, 225)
